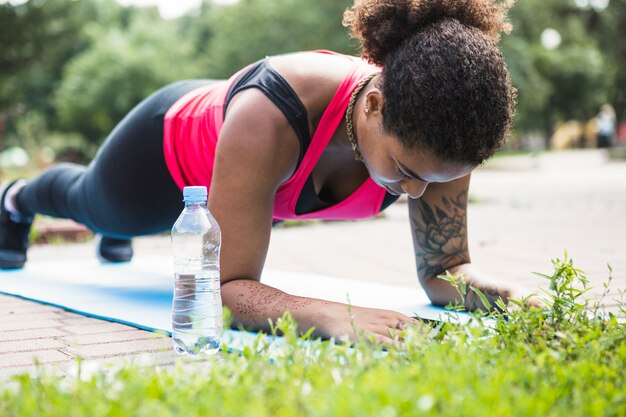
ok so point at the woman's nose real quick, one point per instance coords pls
(414, 188)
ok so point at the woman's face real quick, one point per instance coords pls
(391, 165)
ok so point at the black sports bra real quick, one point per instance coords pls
(260, 75)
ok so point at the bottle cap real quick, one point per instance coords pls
(195, 194)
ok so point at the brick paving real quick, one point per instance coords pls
(33, 333)
(523, 212)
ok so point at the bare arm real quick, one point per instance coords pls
(439, 227)
(257, 151)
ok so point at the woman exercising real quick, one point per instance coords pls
(307, 135)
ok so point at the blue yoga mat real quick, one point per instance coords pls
(139, 293)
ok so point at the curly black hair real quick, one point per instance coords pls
(444, 80)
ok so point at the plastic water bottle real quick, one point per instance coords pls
(197, 305)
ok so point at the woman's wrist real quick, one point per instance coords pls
(442, 292)
(253, 305)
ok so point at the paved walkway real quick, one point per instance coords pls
(523, 212)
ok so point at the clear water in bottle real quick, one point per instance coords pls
(196, 321)
(197, 303)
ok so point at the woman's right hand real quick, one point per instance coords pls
(253, 304)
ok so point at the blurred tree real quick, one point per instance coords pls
(37, 39)
(198, 29)
(251, 29)
(79, 66)
(559, 77)
(610, 28)
(121, 68)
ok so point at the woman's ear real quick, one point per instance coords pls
(373, 102)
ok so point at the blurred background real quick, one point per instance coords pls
(69, 70)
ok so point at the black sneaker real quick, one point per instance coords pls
(114, 250)
(14, 233)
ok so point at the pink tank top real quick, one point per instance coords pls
(191, 131)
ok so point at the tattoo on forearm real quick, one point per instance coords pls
(256, 301)
(441, 234)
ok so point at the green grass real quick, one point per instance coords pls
(567, 359)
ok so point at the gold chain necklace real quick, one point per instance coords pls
(350, 127)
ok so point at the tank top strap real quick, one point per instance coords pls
(330, 121)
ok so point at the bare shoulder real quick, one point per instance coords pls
(257, 137)
(314, 76)
(257, 151)
(256, 134)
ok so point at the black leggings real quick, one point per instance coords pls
(127, 189)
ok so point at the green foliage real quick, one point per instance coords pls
(611, 32)
(81, 65)
(554, 361)
(252, 29)
(37, 40)
(571, 81)
(122, 67)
